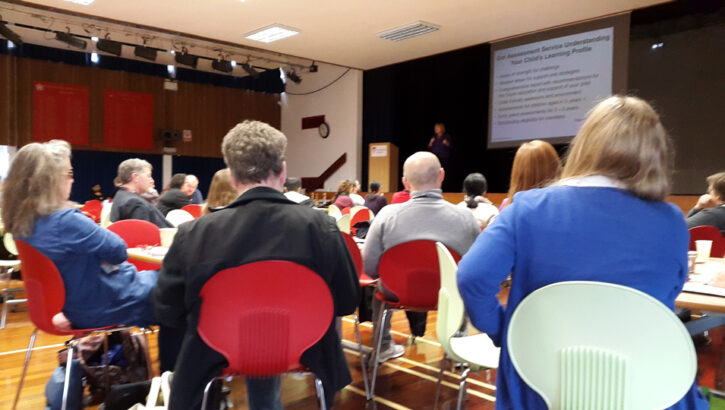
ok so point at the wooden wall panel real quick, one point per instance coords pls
(208, 111)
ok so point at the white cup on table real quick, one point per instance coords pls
(703, 250)
(167, 236)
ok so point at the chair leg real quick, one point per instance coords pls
(5, 310)
(25, 367)
(462, 388)
(149, 366)
(207, 389)
(440, 379)
(378, 346)
(68, 365)
(106, 375)
(362, 357)
(320, 393)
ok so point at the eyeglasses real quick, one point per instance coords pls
(69, 172)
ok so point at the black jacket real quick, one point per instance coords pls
(714, 216)
(174, 198)
(128, 205)
(262, 224)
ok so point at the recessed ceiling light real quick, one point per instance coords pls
(83, 2)
(272, 33)
(94, 39)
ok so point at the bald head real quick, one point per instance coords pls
(422, 171)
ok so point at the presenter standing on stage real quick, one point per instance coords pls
(440, 143)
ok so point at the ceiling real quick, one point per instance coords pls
(344, 32)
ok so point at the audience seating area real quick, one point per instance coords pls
(429, 364)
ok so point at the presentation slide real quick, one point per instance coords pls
(544, 89)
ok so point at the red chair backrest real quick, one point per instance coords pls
(193, 209)
(93, 208)
(44, 287)
(263, 315)
(361, 215)
(708, 233)
(410, 270)
(354, 252)
(136, 232)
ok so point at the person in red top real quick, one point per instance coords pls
(400, 197)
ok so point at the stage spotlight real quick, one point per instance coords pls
(186, 58)
(222, 65)
(109, 46)
(250, 70)
(10, 35)
(70, 40)
(292, 75)
(313, 67)
(147, 53)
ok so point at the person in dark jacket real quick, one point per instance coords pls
(375, 201)
(175, 197)
(262, 224)
(134, 177)
(715, 216)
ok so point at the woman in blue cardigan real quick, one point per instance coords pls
(605, 220)
(101, 287)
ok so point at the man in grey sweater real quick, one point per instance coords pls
(426, 216)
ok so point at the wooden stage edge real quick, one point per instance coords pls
(684, 202)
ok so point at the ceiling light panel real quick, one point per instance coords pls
(272, 33)
(411, 30)
(83, 2)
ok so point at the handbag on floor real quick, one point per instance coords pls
(160, 392)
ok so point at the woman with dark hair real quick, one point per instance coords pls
(605, 220)
(475, 188)
(375, 201)
(101, 287)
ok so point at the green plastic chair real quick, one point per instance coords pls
(334, 211)
(595, 345)
(343, 223)
(477, 352)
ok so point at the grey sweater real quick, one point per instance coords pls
(426, 216)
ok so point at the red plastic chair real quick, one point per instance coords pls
(193, 209)
(45, 292)
(360, 216)
(708, 233)
(93, 209)
(364, 281)
(135, 233)
(411, 272)
(263, 315)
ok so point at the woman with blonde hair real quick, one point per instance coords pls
(101, 287)
(221, 191)
(536, 165)
(605, 221)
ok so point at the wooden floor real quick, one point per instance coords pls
(404, 383)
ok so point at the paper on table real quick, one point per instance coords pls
(702, 288)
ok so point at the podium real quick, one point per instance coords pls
(383, 165)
